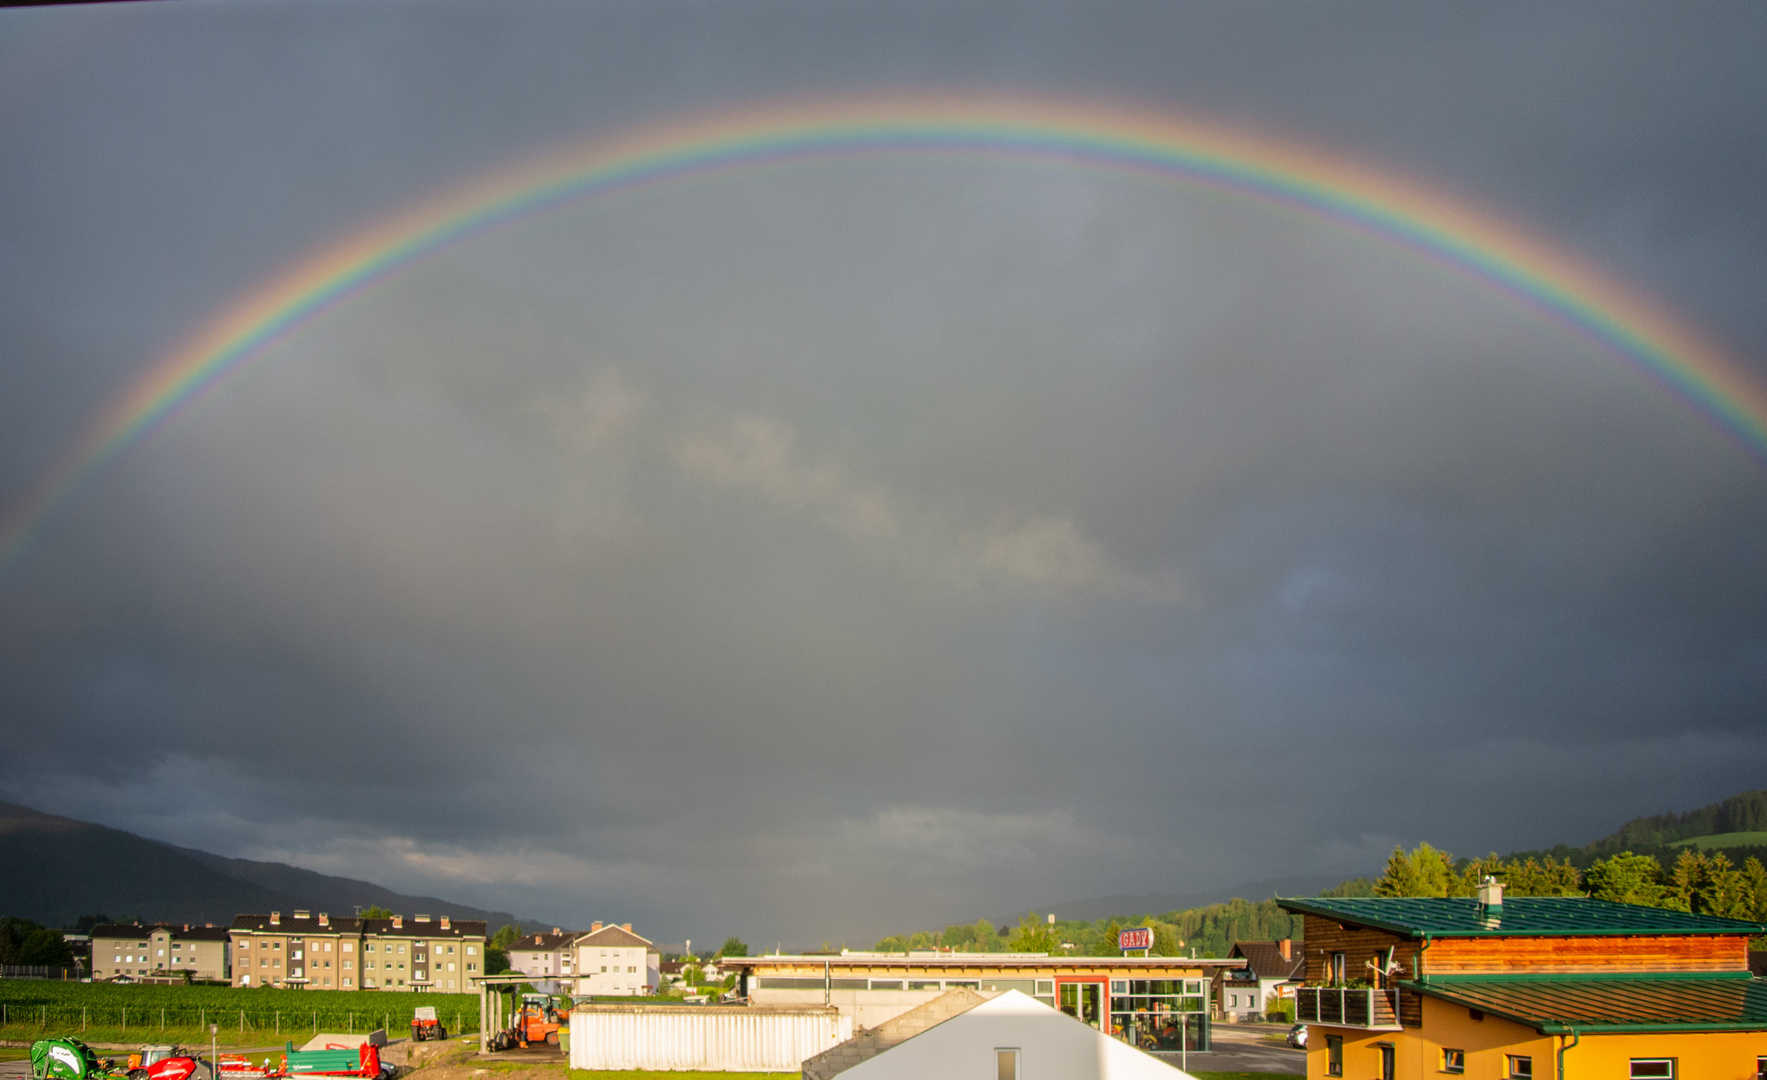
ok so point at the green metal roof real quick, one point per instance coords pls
(1559, 1004)
(1522, 916)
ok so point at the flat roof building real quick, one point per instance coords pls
(1151, 1002)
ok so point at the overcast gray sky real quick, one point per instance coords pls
(826, 551)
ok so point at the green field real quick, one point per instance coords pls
(1723, 840)
(106, 1013)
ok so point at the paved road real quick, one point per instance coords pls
(1244, 1051)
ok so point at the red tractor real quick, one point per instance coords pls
(425, 1027)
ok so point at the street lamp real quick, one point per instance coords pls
(214, 1052)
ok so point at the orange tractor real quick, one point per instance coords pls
(539, 1020)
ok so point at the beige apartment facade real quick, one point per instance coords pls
(320, 952)
(613, 961)
(160, 950)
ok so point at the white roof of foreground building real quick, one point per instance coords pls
(1049, 1045)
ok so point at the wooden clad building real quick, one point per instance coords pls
(1533, 987)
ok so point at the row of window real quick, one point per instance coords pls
(349, 946)
(1515, 1066)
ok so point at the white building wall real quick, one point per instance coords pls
(702, 1038)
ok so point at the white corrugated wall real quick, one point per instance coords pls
(713, 1040)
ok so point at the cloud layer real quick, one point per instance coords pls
(831, 551)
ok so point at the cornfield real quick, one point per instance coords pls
(107, 1013)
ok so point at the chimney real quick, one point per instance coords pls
(186, 926)
(1490, 901)
(276, 918)
(556, 931)
(1287, 947)
(595, 927)
(536, 939)
(626, 926)
(398, 922)
(444, 922)
(324, 919)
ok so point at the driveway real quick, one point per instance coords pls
(1244, 1050)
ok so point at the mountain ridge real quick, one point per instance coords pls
(65, 868)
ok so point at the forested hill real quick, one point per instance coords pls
(57, 869)
(1737, 826)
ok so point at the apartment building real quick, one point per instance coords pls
(615, 962)
(422, 954)
(160, 950)
(320, 952)
(317, 952)
(544, 956)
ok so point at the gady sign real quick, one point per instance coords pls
(1141, 937)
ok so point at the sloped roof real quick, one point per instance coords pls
(1558, 1004)
(289, 924)
(1049, 1043)
(613, 937)
(1522, 916)
(349, 924)
(177, 930)
(543, 942)
(1265, 959)
(456, 928)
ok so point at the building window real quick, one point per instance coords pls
(1337, 969)
(1653, 1069)
(1761, 1068)
(1453, 1061)
(1520, 1068)
(1334, 1055)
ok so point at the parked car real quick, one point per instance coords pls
(1297, 1036)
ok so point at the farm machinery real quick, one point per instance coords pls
(539, 1019)
(425, 1027)
(359, 1061)
(71, 1059)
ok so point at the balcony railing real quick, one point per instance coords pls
(1342, 1006)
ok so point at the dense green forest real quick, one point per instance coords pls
(1732, 826)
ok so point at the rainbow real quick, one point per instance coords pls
(1163, 147)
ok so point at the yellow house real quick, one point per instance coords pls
(1561, 987)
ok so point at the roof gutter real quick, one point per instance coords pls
(1562, 1047)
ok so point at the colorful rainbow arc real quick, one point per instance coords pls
(1160, 146)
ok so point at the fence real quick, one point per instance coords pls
(123, 1019)
(39, 971)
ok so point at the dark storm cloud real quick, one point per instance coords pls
(839, 550)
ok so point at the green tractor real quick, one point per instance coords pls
(68, 1059)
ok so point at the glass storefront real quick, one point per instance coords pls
(1159, 1014)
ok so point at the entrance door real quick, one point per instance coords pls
(1084, 1001)
(1386, 1063)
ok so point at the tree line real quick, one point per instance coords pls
(1204, 931)
(1699, 882)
